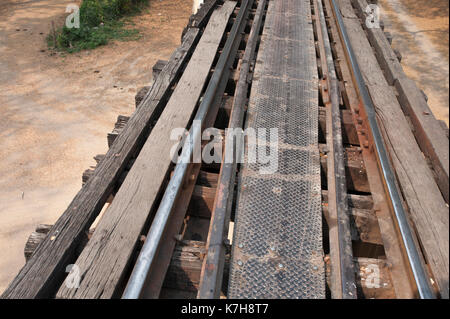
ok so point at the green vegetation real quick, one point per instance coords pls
(100, 21)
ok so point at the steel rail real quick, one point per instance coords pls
(213, 264)
(419, 273)
(147, 255)
(337, 201)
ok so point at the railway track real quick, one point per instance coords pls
(178, 242)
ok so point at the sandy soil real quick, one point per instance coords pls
(57, 109)
(421, 31)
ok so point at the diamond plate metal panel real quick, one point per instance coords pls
(277, 245)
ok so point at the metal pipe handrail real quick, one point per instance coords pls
(420, 275)
(149, 250)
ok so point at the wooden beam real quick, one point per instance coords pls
(157, 68)
(221, 121)
(200, 18)
(142, 92)
(355, 201)
(118, 127)
(430, 137)
(354, 167)
(207, 179)
(185, 267)
(104, 260)
(364, 225)
(374, 279)
(349, 134)
(342, 274)
(39, 235)
(346, 9)
(35, 239)
(202, 201)
(384, 53)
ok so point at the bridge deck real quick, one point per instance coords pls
(277, 244)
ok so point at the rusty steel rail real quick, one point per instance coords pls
(420, 274)
(343, 266)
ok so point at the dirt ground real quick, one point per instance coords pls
(420, 30)
(58, 109)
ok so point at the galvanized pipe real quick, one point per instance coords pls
(147, 255)
(420, 274)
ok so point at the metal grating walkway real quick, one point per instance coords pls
(277, 244)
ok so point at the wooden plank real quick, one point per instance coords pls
(200, 18)
(32, 242)
(355, 201)
(204, 178)
(202, 201)
(207, 179)
(387, 58)
(39, 235)
(429, 136)
(197, 228)
(142, 92)
(364, 225)
(354, 168)
(373, 275)
(45, 271)
(374, 279)
(346, 9)
(384, 53)
(118, 128)
(349, 135)
(105, 258)
(444, 127)
(422, 195)
(185, 266)
(157, 68)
